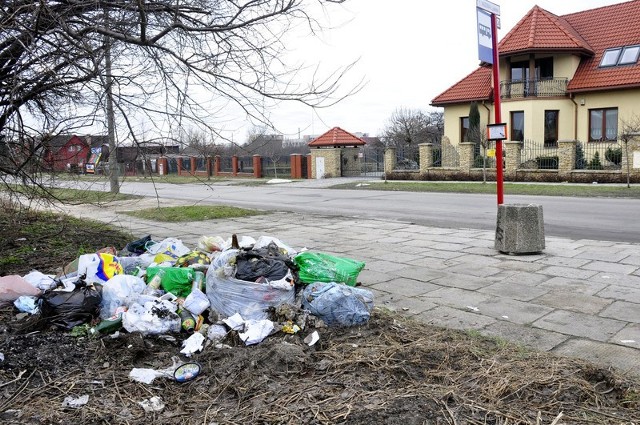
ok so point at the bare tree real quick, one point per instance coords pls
(630, 130)
(168, 59)
(407, 128)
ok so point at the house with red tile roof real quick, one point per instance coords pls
(335, 153)
(570, 77)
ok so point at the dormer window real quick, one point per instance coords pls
(627, 55)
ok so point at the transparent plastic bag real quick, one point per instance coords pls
(338, 304)
(120, 291)
(229, 295)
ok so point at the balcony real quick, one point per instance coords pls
(548, 87)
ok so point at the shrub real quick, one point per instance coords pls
(595, 163)
(547, 162)
(613, 155)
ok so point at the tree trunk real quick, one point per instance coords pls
(114, 185)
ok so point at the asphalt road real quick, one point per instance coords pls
(606, 219)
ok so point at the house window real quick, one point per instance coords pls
(464, 129)
(603, 124)
(551, 128)
(544, 68)
(74, 148)
(627, 55)
(520, 71)
(517, 126)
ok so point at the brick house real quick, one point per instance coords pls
(65, 153)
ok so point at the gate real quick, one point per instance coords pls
(369, 162)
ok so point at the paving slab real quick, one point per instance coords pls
(568, 272)
(537, 339)
(628, 337)
(406, 287)
(579, 286)
(454, 319)
(607, 267)
(522, 291)
(515, 311)
(405, 305)
(572, 301)
(624, 359)
(580, 324)
(623, 293)
(622, 310)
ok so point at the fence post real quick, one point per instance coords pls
(257, 166)
(390, 160)
(179, 165)
(296, 166)
(234, 165)
(513, 150)
(466, 151)
(193, 165)
(309, 166)
(566, 158)
(216, 165)
(425, 153)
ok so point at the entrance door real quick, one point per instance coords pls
(319, 167)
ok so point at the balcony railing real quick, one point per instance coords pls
(549, 87)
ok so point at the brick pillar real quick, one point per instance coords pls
(309, 166)
(390, 160)
(296, 166)
(630, 149)
(513, 150)
(466, 151)
(179, 165)
(234, 165)
(194, 165)
(566, 158)
(425, 151)
(216, 165)
(257, 166)
(163, 166)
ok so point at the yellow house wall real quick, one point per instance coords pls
(452, 115)
(625, 100)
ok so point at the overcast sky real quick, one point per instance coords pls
(409, 51)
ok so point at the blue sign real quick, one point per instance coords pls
(485, 37)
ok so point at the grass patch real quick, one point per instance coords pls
(576, 190)
(192, 213)
(71, 196)
(46, 242)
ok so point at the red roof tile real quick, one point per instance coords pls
(542, 30)
(588, 33)
(606, 27)
(475, 86)
(336, 137)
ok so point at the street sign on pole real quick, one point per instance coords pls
(492, 8)
(485, 36)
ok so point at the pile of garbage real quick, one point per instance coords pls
(252, 288)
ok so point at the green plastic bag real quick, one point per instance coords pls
(319, 267)
(177, 280)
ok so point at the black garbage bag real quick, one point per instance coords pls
(138, 247)
(69, 309)
(263, 263)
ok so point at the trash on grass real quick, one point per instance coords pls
(193, 344)
(75, 402)
(338, 304)
(153, 404)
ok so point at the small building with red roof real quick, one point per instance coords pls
(562, 77)
(335, 154)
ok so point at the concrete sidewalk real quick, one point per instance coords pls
(579, 298)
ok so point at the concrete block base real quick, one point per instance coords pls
(519, 229)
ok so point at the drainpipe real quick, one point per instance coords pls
(488, 112)
(575, 116)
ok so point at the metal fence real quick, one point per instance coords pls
(538, 156)
(245, 164)
(276, 167)
(598, 156)
(407, 157)
(226, 164)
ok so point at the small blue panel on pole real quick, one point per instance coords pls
(485, 50)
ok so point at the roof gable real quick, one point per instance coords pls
(475, 86)
(542, 30)
(336, 137)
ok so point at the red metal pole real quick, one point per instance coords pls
(496, 102)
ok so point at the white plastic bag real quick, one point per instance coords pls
(120, 291)
(169, 246)
(155, 317)
(338, 304)
(264, 241)
(196, 302)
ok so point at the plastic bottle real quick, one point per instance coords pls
(198, 281)
(188, 322)
(153, 287)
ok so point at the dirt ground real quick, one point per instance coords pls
(392, 370)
